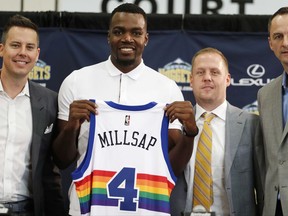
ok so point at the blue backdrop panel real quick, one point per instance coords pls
(251, 62)
(67, 50)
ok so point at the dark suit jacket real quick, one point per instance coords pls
(46, 181)
(243, 158)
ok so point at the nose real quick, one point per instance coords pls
(285, 40)
(22, 50)
(207, 76)
(127, 37)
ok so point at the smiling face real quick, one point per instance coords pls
(209, 80)
(20, 52)
(127, 37)
(278, 38)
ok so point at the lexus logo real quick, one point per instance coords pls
(255, 71)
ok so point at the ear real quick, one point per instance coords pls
(146, 39)
(228, 79)
(191, 80)
(38, 50)
(1, 50)
(270, 43)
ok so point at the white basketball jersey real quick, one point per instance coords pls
(126, 169)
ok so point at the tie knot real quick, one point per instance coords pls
(208, 116)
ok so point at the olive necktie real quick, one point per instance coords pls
(203, 184)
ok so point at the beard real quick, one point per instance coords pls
(126, 62)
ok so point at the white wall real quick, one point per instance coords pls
(14, 5)
(38, 5)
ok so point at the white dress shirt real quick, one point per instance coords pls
(15, 142)
(220, 204)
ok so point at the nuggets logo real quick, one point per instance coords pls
(253, 107)
(40, 72)
(179, 71)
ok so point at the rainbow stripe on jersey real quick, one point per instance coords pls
(153, 191)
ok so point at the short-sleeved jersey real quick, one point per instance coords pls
(126, 169)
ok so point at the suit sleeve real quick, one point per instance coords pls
(259, 167)
(52, 187)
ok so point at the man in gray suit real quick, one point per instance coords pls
(273, 109)
(237, 151)
(29, 182)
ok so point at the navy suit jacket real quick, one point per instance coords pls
(46, 181)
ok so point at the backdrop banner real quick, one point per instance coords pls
(251, 62)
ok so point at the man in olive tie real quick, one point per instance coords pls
(237, 148)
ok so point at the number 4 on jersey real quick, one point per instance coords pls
(122, 187)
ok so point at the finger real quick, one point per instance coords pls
(84, 105)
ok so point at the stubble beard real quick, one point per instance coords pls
(125, 63)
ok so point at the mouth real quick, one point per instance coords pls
(207, 87)
(21, 62)
(285, 52)
(127, 49)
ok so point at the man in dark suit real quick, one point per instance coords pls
(237, 150)
(29, 182)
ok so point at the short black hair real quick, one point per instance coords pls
(281, 11)
(20, 21)
(129, 8)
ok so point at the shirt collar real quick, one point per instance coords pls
(284, 80)
(134, 74)
(25, 90)
(1, 87)
(220, 111)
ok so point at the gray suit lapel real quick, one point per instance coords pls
(279, 101)
(284, 132)
(275, 109)
(234, 129)
(273, 106)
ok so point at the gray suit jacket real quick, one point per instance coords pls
(276, 146)
(243, 158)
(46, 181)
